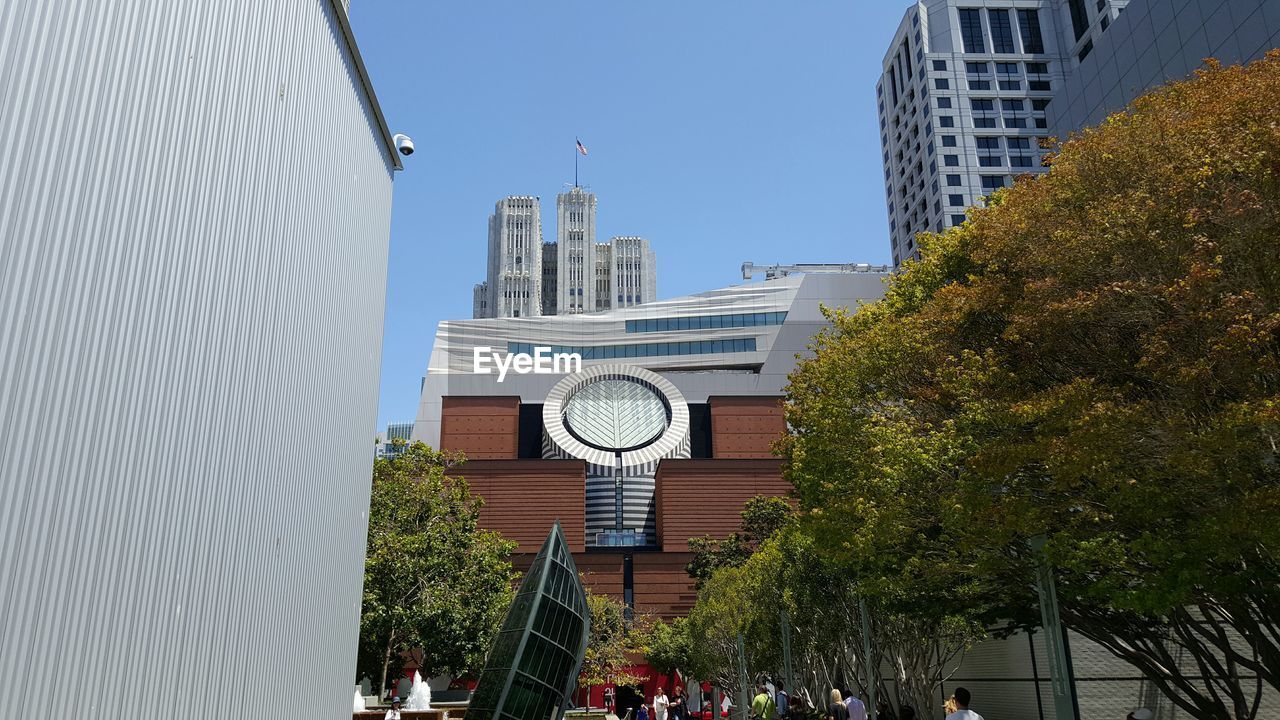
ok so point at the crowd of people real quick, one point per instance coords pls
(774, 703)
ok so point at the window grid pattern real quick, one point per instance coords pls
(614, 352)
(705, 322)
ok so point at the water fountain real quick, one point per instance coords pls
(419, 696)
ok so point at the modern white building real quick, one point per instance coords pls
(390, 444)
(1156, 41)
(963, 101)
(195, 208)
(527, 277)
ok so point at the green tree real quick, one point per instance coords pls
(615, 643)
(436, 586)
(670, 647)
(1092, 357)
(761, 517)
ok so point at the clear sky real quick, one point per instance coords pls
(723, 131)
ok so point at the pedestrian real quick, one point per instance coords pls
(797, 708)
(763, 707)
(608, 698)
(782, 701)
(857, 709)
(642, 713)
(394, 712)
(837, 710)
(962, 711)
(1141, 714)
(677, 703)
(660, 705)
(884, 711)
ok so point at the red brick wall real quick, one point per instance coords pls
(662, 587)
(484, 428)
(523, 498)
(745, 426)
(705, 497)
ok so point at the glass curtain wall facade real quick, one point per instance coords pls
(534, 662)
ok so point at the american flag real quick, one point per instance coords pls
(581, 148)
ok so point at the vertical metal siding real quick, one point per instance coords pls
(194, 215)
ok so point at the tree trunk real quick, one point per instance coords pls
(386, 661)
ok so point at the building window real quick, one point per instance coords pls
(979, 84)
(982, 104)
(1014, 122)
(1020, 161)
(1084, 51)
(1012, 105)
(977, 68)
(992, 182)
(989, 161)
(939, 64)
(1001, 31)
(955, 200)
(984, 122)
(1019, 143)
(1106, 22)
(1079, 17)
(941, 84)
(1039, 104)
(1038, 86)
(948, 141)
(1038, 68)
(951, 160)
(944, 102)
(957, 219)
(1007, 68)
(954, 181)
(987, 143)
(971, 30)
(1029, 26)
(1010, 84)
(946, 121)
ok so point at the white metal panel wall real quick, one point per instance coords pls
(194, 217)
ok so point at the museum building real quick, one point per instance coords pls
(661, 435)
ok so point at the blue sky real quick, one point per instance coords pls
(722, 131)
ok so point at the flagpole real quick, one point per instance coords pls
(575, 162)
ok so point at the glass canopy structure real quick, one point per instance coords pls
(535, 660)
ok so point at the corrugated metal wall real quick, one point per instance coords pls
(194, 217)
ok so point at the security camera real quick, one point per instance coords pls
(404, 143)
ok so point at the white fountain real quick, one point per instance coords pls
(419, 695)
(359, 703)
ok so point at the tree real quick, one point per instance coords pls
(614, 643)
(1092, 357)
(436, 586)
(761, 517)
(670, 647)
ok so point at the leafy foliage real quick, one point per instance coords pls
(614, 643)
(761, 518)
(1092, 357)
(436, 586)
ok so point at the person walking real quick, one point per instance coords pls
(394, 712)
(857, 710)
(763, 707)
(677, 703)
(797, 708)
(782, 701)
(836, 709)
(660, 705)
(962, 712)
